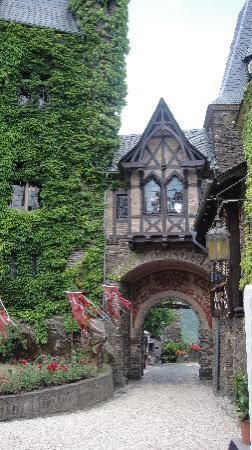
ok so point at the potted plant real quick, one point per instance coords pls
(242, 403)
(171, 350)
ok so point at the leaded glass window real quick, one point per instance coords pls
(122, 206)
(152, 197)
(174, 193)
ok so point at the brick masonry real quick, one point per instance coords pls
(148, 277)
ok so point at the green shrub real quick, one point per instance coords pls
(170, 348)
(242, 395)
(46, 371)
(14, 343)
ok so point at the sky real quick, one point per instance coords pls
(178, 51)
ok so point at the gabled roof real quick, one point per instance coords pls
(236, 74)
(197, 141)
(163, 123)
(39, 13)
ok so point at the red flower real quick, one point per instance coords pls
(40, 366)
(52, 366)
(195, 348)
(23, 362)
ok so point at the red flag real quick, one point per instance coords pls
(115, 303)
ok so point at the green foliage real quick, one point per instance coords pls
(170, 348)
(15, 342)
(57, 148)
(246, 262)
(242, 395)
(158, 319)
(46, 371)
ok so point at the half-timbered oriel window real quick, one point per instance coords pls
(152, 203)
(25, 197)
(122, 206)
(174, 194)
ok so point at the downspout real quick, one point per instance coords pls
(204, 198)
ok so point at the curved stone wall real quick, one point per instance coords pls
(67, 397)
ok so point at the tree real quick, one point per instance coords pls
(158, 319)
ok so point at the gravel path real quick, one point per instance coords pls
(168, 409)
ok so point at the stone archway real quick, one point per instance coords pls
(153, 287)
(150, 275)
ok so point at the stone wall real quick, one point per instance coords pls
(221, 120)
(230, 353)
(69, 397)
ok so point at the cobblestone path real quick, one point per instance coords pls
(168, 409)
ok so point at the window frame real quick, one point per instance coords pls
(158, 183)
(174, 213)
(121, 194)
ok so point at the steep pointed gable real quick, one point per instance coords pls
(162, 123)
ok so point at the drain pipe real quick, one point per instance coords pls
(194, 234)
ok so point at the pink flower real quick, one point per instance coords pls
(23, 362)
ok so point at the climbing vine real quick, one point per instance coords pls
(58, 148)
(246, 263)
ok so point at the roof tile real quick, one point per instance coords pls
(40, 13)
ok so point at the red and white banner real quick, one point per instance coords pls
(115, 303)
(5, 320)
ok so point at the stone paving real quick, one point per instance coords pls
(168, 409)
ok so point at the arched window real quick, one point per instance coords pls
(174, 194)
(152, 197)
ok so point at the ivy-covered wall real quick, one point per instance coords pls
(60, 149)
(247, 141)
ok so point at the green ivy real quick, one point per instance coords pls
(246, 262)
(59, 149)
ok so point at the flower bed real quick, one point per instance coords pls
(45, 371)
(68, 397)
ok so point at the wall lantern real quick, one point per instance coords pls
(218, 242)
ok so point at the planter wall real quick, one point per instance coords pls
(67, 397)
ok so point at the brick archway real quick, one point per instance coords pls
(192, 288)
(149, 286)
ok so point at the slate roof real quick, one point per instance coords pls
(199, 138)
(236, 74)
(40, 13)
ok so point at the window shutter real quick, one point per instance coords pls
(17, 197)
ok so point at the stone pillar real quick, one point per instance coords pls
(136, 357)
(248, 328)
(206, 354)
(117, 347)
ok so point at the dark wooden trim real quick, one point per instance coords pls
(141, 184)
(193, 163)
(199, 188)
(114, 230)
(163, 201)
(186, 198)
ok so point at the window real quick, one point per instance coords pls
(152, 198)
(25, 197)
(24, 97)
(122, 206)
(42, 99)
(174, 193)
